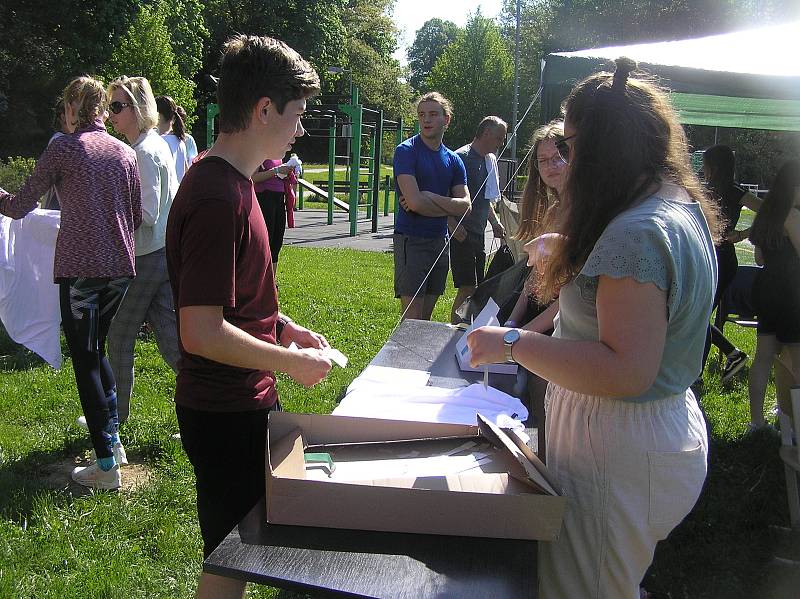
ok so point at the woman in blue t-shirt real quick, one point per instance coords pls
(627, 442)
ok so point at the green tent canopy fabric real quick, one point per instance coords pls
(746, 79)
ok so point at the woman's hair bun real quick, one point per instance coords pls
(625, 66)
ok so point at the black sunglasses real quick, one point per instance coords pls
(116, 107)
(562, 147)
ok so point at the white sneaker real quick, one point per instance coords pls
(82, 423)
(119, 454)
(95, 477)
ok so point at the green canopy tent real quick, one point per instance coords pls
(746, 79)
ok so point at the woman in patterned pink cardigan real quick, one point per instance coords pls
(98, 184)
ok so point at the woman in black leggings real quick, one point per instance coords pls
(99, 189)
(719, 164)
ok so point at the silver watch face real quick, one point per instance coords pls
(511, 336)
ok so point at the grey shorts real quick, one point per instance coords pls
(413, 259)
(467, 261)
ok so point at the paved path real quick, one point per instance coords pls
(312, 230)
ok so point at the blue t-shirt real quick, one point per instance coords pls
(436, 171)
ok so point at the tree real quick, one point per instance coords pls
(475, 73)
(312, 27)
(43, 48)
(146, 50)
(187, 30)
(371, 41)
(429, 44)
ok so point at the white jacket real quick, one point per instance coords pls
(159, 186)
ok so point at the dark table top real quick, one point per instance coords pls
(354, 563)
(431, 346)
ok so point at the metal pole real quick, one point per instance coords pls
(355, 169)
(515, 106)
(376, 168)
(331, 167)
(387, 185)
(398, 141)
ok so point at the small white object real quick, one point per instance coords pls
(487, 317)
(333, 354)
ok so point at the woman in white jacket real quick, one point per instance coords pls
(149, 297)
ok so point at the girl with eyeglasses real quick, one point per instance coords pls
(149, 297)
(635, 274)
(99, 190)
(539, 208)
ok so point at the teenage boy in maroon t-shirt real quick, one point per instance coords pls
(232, 336)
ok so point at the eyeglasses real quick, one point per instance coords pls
(116, 107)
(563, 149)
(556, 161)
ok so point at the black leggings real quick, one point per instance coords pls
(273, 207)
(727, 264)
(87, 307)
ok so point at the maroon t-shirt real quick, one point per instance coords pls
(218, 255)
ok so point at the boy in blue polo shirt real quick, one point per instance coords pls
(432, 182)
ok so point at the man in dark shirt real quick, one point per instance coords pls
(232, 336)
(467, 252)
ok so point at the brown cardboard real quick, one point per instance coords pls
(503, 499)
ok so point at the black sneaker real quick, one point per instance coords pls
(733, 364)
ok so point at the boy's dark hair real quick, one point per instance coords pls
(254, 67)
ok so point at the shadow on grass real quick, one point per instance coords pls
(14, 356)
(743, 499)
(25, 481)
(48, 473)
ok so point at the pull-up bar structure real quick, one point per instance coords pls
(354, 122)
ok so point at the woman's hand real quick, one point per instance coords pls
(541, 248)
(486, 345)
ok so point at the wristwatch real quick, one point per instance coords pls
(509, 339)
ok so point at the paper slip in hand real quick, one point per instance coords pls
(333, 354)
(487, 317)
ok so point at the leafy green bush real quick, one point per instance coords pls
(14, 172)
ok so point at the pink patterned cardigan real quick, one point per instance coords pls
(101, 205)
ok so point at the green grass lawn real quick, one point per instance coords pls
(58, 542)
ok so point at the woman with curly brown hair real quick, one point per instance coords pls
(635, 275)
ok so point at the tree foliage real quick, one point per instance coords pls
(185, 23)
(429, 44)
(475, 73)
(146, 51)
(371, 41)
(43, 47)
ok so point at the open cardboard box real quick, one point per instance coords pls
(511, 496)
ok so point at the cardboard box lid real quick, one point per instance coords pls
(533, 468)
